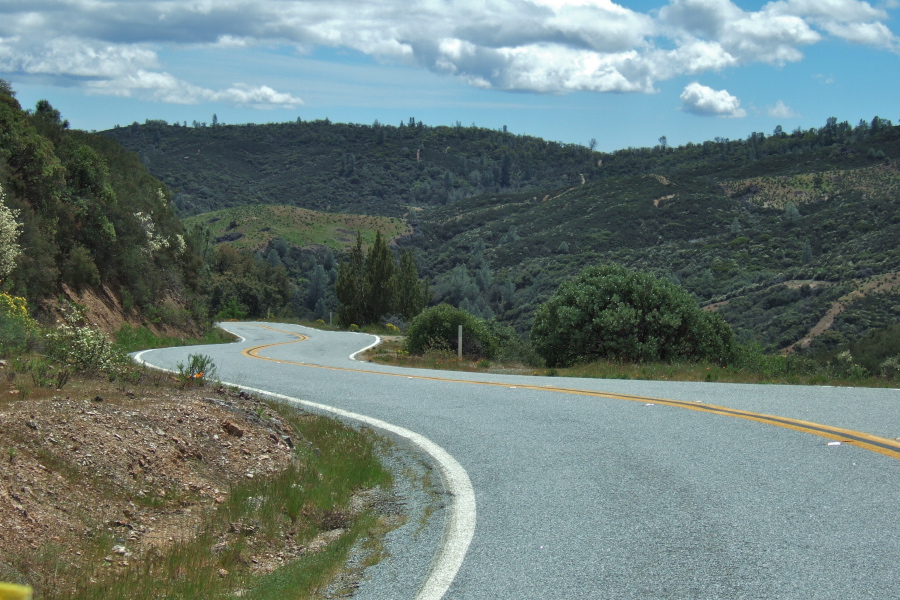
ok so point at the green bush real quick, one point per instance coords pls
(199, 369)
(437, 328)
(79, 268)
(613, 313)
(82, 347)
(18, 331)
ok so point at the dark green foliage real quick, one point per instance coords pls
(380, 288)
(437, 328)
(379, 169)
(370, 288)
(873, 349)
(412, 294)
(242, 285)
(613, 313)
(79, 269)
(91, 214)
(349, 288)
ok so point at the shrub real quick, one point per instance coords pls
(79, 268)
(82, 347)
(890, 368)
(610, 312)
(199, 369)
(437, 328)
(17, 329)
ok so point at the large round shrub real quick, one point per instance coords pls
(611, 312)
(436, 328)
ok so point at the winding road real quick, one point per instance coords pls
(609, 489)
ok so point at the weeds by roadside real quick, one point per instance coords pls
(262, 532)
(750, 365)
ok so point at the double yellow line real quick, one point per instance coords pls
(873, 443)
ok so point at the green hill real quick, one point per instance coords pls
(776, 231)
(739, 244)
(333, 167)
(92, 221)
(256, 227)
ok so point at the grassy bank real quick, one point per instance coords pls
(750, 366)
(131, 339)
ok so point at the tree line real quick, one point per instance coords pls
(371, 285)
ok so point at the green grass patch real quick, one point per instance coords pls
(131, 339)
(253, 227)
(310, 497)
(750, 366)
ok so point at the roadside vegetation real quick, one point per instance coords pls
(284, 526)
(615, 323)
(751, 365)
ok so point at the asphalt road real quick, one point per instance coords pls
(580, 495)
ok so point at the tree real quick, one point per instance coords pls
(806, 255)
(791, 212)
(318, 283)
(437, 328)
(505, 166)
(610, 312)
(411, 298)
(380, 281)
(9, 235)
(350, 286)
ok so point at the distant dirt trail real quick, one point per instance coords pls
(880, 283)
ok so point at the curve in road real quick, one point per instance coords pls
(461, 517)
(582, 495)
(860, 439)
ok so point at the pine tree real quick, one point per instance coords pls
(410, 295)
(350, 286)
(380, 281)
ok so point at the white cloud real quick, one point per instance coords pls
(547, 46)
(705, 101)
(74, 57)
(781, 111)
(164, 87)
(850, 20)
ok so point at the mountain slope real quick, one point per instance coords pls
(92, 219)
(333, 167)
(500, 220)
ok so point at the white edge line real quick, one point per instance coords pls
(372, 345)
(459, 528)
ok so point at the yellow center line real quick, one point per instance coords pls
(873, 443)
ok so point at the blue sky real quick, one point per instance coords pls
(565, 70)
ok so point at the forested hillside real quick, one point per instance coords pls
(364, 169)
(772, 271)
(782, 233)
(82, 218)
(90, 216)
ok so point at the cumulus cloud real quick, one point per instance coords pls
(781, 111)
(705, 101)
(547, 46)
(164, 87)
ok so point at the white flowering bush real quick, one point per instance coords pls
(155, 241)
(890, 368)
(9, 235)
(83, 347)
